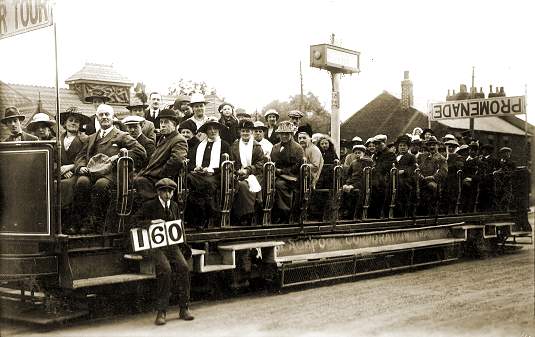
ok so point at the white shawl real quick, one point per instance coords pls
(214, 155)
(246, 153)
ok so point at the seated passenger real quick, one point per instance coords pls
(248, 160)
(472, 177)
(154, 211)
(353, 188)
(204, 177)
(384, 161)
(288, 157)
(406, 164)
(352, 156)
(433, 171)
(259, 133)
(329, 156)
(42, 126)
(450, 190)
(72, 144)
(188, 129)
(12, 120)
(312, 152)
(102, 150)
(167, 159)
(133, 125)
(137, 108)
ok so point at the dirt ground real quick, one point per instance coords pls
(490, 297)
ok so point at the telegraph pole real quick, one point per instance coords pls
(302, 102)
(335, 107)
(472, 96)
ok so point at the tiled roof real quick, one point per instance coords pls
(100, 73)
(26, 98)
(383, 115)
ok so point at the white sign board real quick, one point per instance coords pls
(475, 108)
(21, 16)
(157, 235)
(335, 59)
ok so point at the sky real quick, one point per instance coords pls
(249, 51)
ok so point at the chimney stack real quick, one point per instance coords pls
(406, 92)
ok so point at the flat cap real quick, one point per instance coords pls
(166, 183)
(129, 120)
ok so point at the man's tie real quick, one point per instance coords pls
(167, 214)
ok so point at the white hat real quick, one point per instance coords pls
(197, 98)
(356, 139)
(40, 117)
(369, 140)
(380, 138)
(448, 137)
(271, 112)
(132, 120)
(360, 147)
(105, 108)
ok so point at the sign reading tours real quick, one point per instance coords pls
(157, 235)
(475, 108)
(21, 16)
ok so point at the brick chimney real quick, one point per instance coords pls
(406, 92)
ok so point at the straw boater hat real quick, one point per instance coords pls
(271, 112)
(97, 93)
(131, 120)
(197, 98)
(286, 127)
(42, 118)
(211, 122)
(368, 141)
(449, 136)
(136, 103)
(12, 112)
(451, 142)
(295, 114)
(356, 140)
(380, 138)
(73, 111)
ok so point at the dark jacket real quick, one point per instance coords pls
(289, 160)
(225, 148)
(407, 163)
(168, 157)
(355, 172)
(155, 121)
(148, 145)
(25, 137)
(433, 165)
(231, 133)
(68, 157)
(257, 160)
(274, 137)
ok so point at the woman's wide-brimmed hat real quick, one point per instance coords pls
(40, 118)
(197, 98)
(211, 122)
(73, 111)
(286, 127)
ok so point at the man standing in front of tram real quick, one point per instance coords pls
(13, 121)
(100, 153)
(155, 211)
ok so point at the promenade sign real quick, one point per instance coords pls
(21, 16)
(475, 108)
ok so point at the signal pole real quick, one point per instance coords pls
(335, 108)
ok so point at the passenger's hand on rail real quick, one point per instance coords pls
(84, 170)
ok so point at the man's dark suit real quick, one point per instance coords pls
(165, 162)
(148, 145)
(155, 121)
(24, 137)
(164, 256)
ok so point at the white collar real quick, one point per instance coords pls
(105, 132)
(164, 203)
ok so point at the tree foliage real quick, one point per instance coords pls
(315, 113)
(188, 87)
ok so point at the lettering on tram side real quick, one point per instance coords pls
(157, 235)
(20, 16)
(475, 108)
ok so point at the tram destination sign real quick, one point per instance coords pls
(475, 108)
(334, 59)
(21, 16)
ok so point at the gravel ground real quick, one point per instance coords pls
(490, 297)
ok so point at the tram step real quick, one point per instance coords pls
(521, 234)
(250, 245)
(112, 279)
(367, 250)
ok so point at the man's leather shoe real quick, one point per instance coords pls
(160, 318)
(185, 314)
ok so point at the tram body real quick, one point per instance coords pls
(36, 257)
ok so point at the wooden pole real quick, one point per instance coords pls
(335, 108)
(58, 141)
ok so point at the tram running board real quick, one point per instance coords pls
(112, 279)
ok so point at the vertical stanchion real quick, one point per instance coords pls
(58, 141)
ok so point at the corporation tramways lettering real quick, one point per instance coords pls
(498, 106)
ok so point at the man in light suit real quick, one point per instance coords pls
(108, 141)
(167, 159)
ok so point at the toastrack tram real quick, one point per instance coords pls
(55, 275)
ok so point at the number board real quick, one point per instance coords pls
(157, 235)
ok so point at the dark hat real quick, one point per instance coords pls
(12, 112)
(431, 140)
(246, 124)
(345, 143)
(403, 139)
(306, 129)
(73, 111)
(211, 122)
(488, 147)
(222, 105)
(188, 124)
(166, 183)
(462, 149)
(243, 114)
(135, 103)
(169, 114)
(474, 143)
(97, 93)
(426, 130)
